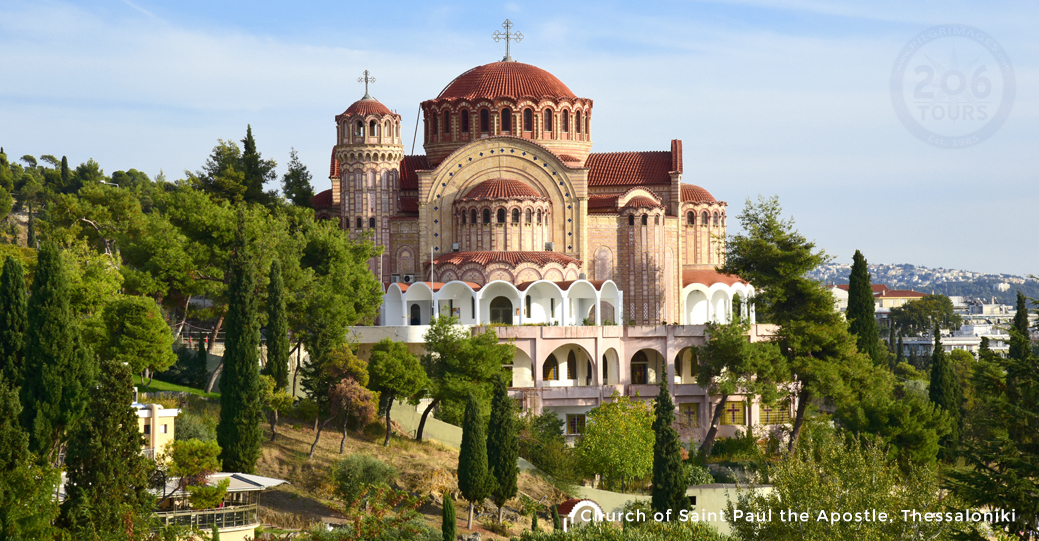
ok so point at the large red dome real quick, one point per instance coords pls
(501, 188)
(367, 106)
(506, 80)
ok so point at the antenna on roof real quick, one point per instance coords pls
(508, 37)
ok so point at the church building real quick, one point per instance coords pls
(599, 267)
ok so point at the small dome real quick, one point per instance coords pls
(641, 201)
(502, 188)
(505, 80)
(367, 106)
(695, 194)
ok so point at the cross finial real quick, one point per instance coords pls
(366, 79)
(508, 36)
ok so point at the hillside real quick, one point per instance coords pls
(952, 282)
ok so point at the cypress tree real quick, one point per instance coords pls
(900, 355)
(238, 432)
(861, 317)
(534, 520)
(277, 330)
(946, 393)
(448, 523)
(57, 369)
(669, 481)
(13, 319)
(1020, 342)
(502, 447)
(200, 366)
(215, 535)
(27, 503)
(555, 519)
(107, 476)
(30, 237)
(65, 173)
(474, 481)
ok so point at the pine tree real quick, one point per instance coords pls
(239, 430)
(669, 481)
(296, 183)
(946, 393)
(474, 481)
(502, 447)
(861, 317)
(448, 523)
(13, 319)
(57, 369)
(107, 476)
(277, 330)
(256, 170)
(27, 504)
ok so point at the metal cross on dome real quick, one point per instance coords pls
(508, 36)
(366, 79)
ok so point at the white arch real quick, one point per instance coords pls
(579, 299)
(460, 296)
(495, 289)
(546, 302)
(419, 294)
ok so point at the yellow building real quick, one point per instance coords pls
(158, 426)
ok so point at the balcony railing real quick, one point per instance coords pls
(204, 519)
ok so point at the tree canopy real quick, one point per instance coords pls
(620, 461)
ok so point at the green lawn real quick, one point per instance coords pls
(157, 385)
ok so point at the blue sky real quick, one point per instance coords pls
(789, 98)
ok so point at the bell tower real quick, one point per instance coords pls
(369, 152)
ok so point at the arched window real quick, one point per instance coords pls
(463, 217)
(359, 130)
(360, 224)
(515, 216)
(691, 218)
(501, 216)
(645, 219)
(566, 121)
(539, 216)
(704, 219)
(577, 121)
(631, 219)
(373, 128)
(465, 121)
(386, 128)
(527, 300)
(528, 119)
(571, 365)
(485, 121)
(435, 128)
(371, 223)
(656, 220)
(548, 120)
(529, 213)
(486, 216)
(472, 216)
(447, 122)
(416, 314)
(506, 120)
(501, 310)
(715, 219)
(640, 368)
(550, 371)
(605, 370)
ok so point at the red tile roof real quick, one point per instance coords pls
(567, 506)
(564, 285)
(408, 166)
(695, 194)
(333, 168)
(602, 202)
(708, 277)
(505, 80)
(502, 188)
(641, 201)
(367, 106)
(629, 168)
(409, 204)
(569, 159)
(322, 199)
(435, 286)
(511, 258)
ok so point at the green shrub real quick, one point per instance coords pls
(650, 531)
(738, 448)
(304, 410)
(193, 426)
(353, 475)
(698, 475)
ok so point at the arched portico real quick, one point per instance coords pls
(646, 366)
(502, 291)
(609, 366)
(569, 365)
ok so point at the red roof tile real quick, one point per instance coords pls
(708, 277)
(564, 285)
(333, 168)
(511, 258)
(322, 199)
(435, 286)
(502, 188)
(602, 202)
(696, 194)
(408, 166)
(367, 106)
(567, 506)
(409, 204)
(629, 168)
(568, 158)
(641, 201)
(505, 80)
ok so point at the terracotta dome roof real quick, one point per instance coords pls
(696, 194)
(510, 258)
(367, 106)
(641, 201)
(502, 188)
(506, 80)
